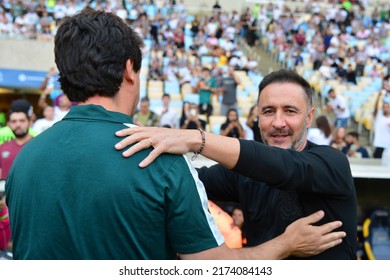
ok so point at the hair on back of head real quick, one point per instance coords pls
(91, 50)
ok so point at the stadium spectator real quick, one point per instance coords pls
(40, 125)
(229, 91)
(207, 86)
(382, 122)
(145, 116)
(168, 117)
(190, 117)
(322, 133)
(338, 138)
(18, 105)
(353, 148)
(232, 126)
(339, 105)
(253, 122)
(19, 123)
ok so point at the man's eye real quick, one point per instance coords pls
(290, 111)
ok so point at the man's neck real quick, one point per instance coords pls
(110, 104)
(23, 140)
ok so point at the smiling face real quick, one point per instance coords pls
(284, 115)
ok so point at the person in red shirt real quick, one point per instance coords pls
(19, 122)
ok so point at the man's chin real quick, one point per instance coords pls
(279, 143)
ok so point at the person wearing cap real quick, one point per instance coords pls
(18, 105)
(382, 123)
(19, 124)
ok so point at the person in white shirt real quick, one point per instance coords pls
(322, 133)
(382, 125)
(60, 10)
(339, 105)
(168, 117)
(47, 121)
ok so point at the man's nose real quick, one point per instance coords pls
(278, 121)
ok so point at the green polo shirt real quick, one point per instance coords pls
(71, 195)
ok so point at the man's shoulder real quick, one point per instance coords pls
(327, 152)
(8, 144)
(176, 165)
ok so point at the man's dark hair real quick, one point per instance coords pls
(144, 99)
(354, 134)
(330, 90)
(91, 50)
(287, 76)
(21, 106)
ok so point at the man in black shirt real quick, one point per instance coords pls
(281, 180)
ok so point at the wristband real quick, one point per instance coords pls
(201, 146)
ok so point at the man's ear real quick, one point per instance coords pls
(310, 117)
(129, 74)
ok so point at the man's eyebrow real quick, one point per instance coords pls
(284, 107)
(292, 107)
(266, 107)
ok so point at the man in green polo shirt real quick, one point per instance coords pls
(71, 195)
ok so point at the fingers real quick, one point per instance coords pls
(330, 240)
(150, 158)
(130, 139)
(139, 146)
(313, 218)
(329, 227)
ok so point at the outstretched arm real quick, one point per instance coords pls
(301, 239)
(177, 141)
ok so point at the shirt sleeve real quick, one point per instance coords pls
(317, 169)
(190, 226)
(220, 183)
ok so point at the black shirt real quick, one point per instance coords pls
(286, 185)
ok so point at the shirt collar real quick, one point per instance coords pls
(96, 113)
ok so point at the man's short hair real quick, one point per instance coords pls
(91, 50)
(354, 134)
(330, 90)
(287, 76)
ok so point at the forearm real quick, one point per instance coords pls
(42, 101)
(275, 249)
(224, 150)
(224, 132)
(242, 133)
(44, 82)
(270, 250)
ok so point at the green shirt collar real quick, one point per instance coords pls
(96, 113)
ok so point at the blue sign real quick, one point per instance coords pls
(22, 79)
